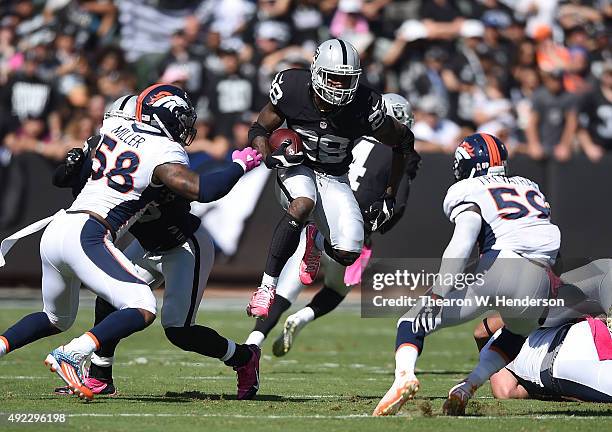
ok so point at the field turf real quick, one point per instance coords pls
(331, 381)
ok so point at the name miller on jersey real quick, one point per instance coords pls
(128, 136)
(510, 180)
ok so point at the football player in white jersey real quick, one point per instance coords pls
(132, 161)
(171, 246)
(572, 361)
(368, 175)
(509, 219)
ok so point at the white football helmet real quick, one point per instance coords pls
(335, 60)
(398, 107)
(124, 107)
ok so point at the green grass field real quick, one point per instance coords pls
(331, 381)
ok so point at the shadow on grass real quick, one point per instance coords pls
(190, 396)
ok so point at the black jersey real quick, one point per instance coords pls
(166, 224)
(596, 117)
(328, 137)
(369, 176)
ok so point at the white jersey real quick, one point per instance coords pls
(528, 363)
(119, 188)
(515, 215)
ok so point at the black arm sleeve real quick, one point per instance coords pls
(256, 130)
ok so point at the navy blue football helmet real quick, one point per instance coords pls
(478, 155)
(168, 108)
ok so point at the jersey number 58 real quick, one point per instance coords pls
(119, 177)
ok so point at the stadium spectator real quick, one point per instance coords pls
(552, 120)
(595, 128)
(432, 132)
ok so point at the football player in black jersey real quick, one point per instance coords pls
(368, 175)
(170, 246)
(329, 109)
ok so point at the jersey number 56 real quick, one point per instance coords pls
(519, 207)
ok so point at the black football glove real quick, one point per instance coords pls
(379, 213)
(412, 164)
(279, 159)
(74, 161)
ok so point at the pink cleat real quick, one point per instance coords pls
(261, 301)
(248, 375)
(98, 387)
(311, 261)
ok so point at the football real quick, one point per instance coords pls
(282, 134)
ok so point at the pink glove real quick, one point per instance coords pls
(248, 158)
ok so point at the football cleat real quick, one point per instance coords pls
(403, 389)
(311, 261)
(248, 375)
(69, 366)
(458, 398)
(98, 387)
(284, 341)
(261, 301)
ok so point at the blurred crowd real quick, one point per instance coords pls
(536, 73)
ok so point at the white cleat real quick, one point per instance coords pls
(284, 341)
(458, 398)
(403, 389)
(70, 367)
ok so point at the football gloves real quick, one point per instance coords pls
(379, 213)
(74, 161)
(279, 159)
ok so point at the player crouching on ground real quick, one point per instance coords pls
(572, 361)
(330, 110)
(509, 219)
(368, 175)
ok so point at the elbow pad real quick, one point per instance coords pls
(256, 130)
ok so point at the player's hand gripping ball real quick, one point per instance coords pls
(287, 149)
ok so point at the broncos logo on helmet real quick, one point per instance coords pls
(168, 108)
(480, 154)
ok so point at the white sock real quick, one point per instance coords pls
(304, 315)
(231, 349)
(489, 363)
(3, 347)
(319, 241)
(255, 338)
(405, 360)
(84, 344)
(102, 361)
(269, 280)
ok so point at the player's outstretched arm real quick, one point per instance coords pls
(269, 119)
(457, 253)
(206, 187)
(405, 158)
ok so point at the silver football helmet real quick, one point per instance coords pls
(398, 107)
(124, 107)
(335, 71)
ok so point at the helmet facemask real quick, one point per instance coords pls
(322, 78)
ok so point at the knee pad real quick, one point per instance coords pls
(344, 258)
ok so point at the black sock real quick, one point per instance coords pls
(280, 305)
(198, 339)
(241, 356)
(101, 372)
(325, 301)
(104, 309)
(284, 243)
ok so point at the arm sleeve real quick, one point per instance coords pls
(216, 185)
(457, 253)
